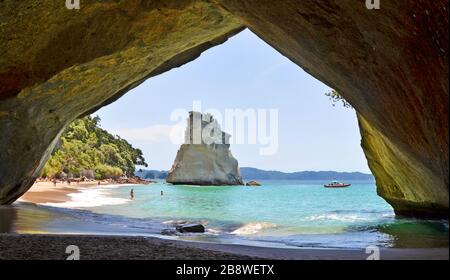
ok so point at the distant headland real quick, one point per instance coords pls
(250, 173)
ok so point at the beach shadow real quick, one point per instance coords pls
(417, 234)
(8, 218)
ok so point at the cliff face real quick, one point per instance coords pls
(201, 164)
(57, 64)
(205, 158)
(408, 185)
(390, 64)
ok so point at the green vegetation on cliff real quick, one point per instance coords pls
(87, 150)
(336, 97)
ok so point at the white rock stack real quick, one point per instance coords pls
(205, 158)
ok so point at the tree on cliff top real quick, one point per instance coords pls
(87, 150)
(335, 97)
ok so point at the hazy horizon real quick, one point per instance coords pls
(272, 170)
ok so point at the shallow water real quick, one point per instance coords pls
(279, 213)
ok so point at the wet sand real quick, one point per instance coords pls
(329, 254)
(53, 247)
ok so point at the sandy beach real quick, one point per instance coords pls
(48, 192)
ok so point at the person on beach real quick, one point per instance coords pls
(132, 194)
(54, 182)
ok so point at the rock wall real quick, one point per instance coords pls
(390, 64)
(57, 64)
(409, 186)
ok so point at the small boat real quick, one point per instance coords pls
(336, 184)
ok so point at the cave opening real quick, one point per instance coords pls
(310, 137)
(317, 140)
(71, 62)
(244, 74)
(315, 135)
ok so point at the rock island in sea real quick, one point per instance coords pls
(205, 157)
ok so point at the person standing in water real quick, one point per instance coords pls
(162, 193)
(132, 194)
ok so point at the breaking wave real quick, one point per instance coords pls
(336, 217)
(253, 228)
(92, 197)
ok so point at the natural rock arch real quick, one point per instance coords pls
(390, 64)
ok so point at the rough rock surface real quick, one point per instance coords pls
(407, 185)
(201, 164)
(205, 157)
(253, 184)
(191, 228)
(390, 64)
(57, 64)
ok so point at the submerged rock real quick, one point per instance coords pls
(209, 162)
(191, 228)
(253, 184)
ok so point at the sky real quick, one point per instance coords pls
(306, 131)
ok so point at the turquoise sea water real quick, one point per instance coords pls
(279, 213)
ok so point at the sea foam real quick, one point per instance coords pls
(335, 217)
(92, 197)
(253, 228)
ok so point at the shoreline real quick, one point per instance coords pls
(101, 247)
(46, 245)
(43, 192)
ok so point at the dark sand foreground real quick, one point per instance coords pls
(44, 247)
